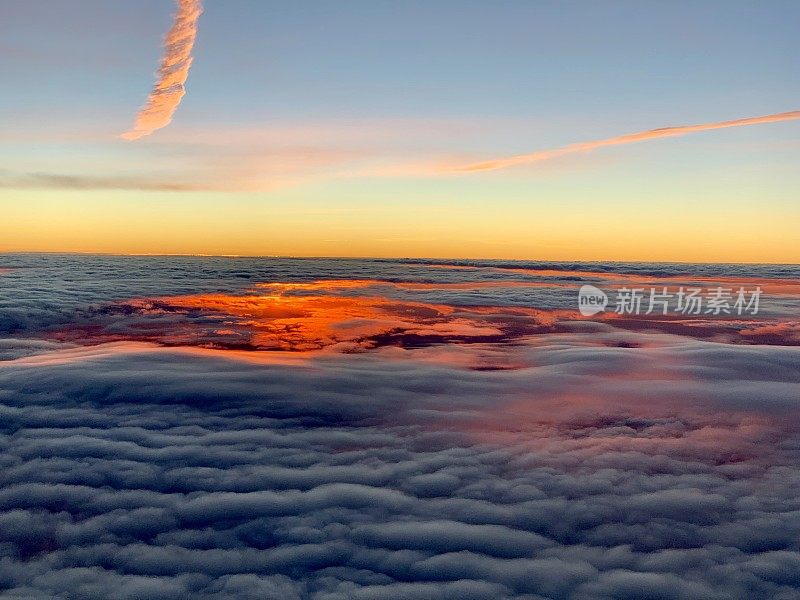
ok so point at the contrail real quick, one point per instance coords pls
(533, 157)
(169, 88)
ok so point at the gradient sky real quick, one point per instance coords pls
(321, 128)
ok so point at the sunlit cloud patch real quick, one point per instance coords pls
(348, 315)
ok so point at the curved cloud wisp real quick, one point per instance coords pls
(172, 74)
(542, 155)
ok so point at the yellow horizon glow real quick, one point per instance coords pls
(204, 225)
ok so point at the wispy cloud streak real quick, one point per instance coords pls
(542, 155)
(61, 181)
(172, 74)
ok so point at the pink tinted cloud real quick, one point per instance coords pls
(169, 89)
(631, 138)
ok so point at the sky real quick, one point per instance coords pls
(346, 129)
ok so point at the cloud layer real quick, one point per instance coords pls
(311, 303)
(172, 74)
(586, 473)
(580, 462)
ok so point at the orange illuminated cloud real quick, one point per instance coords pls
(354, 315)
(172, 74)
(542, 155)
(323, 316)
(281, 321)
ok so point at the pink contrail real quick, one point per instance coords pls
(172, 74)
(533, 157)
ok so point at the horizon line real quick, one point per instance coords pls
(388, 258)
